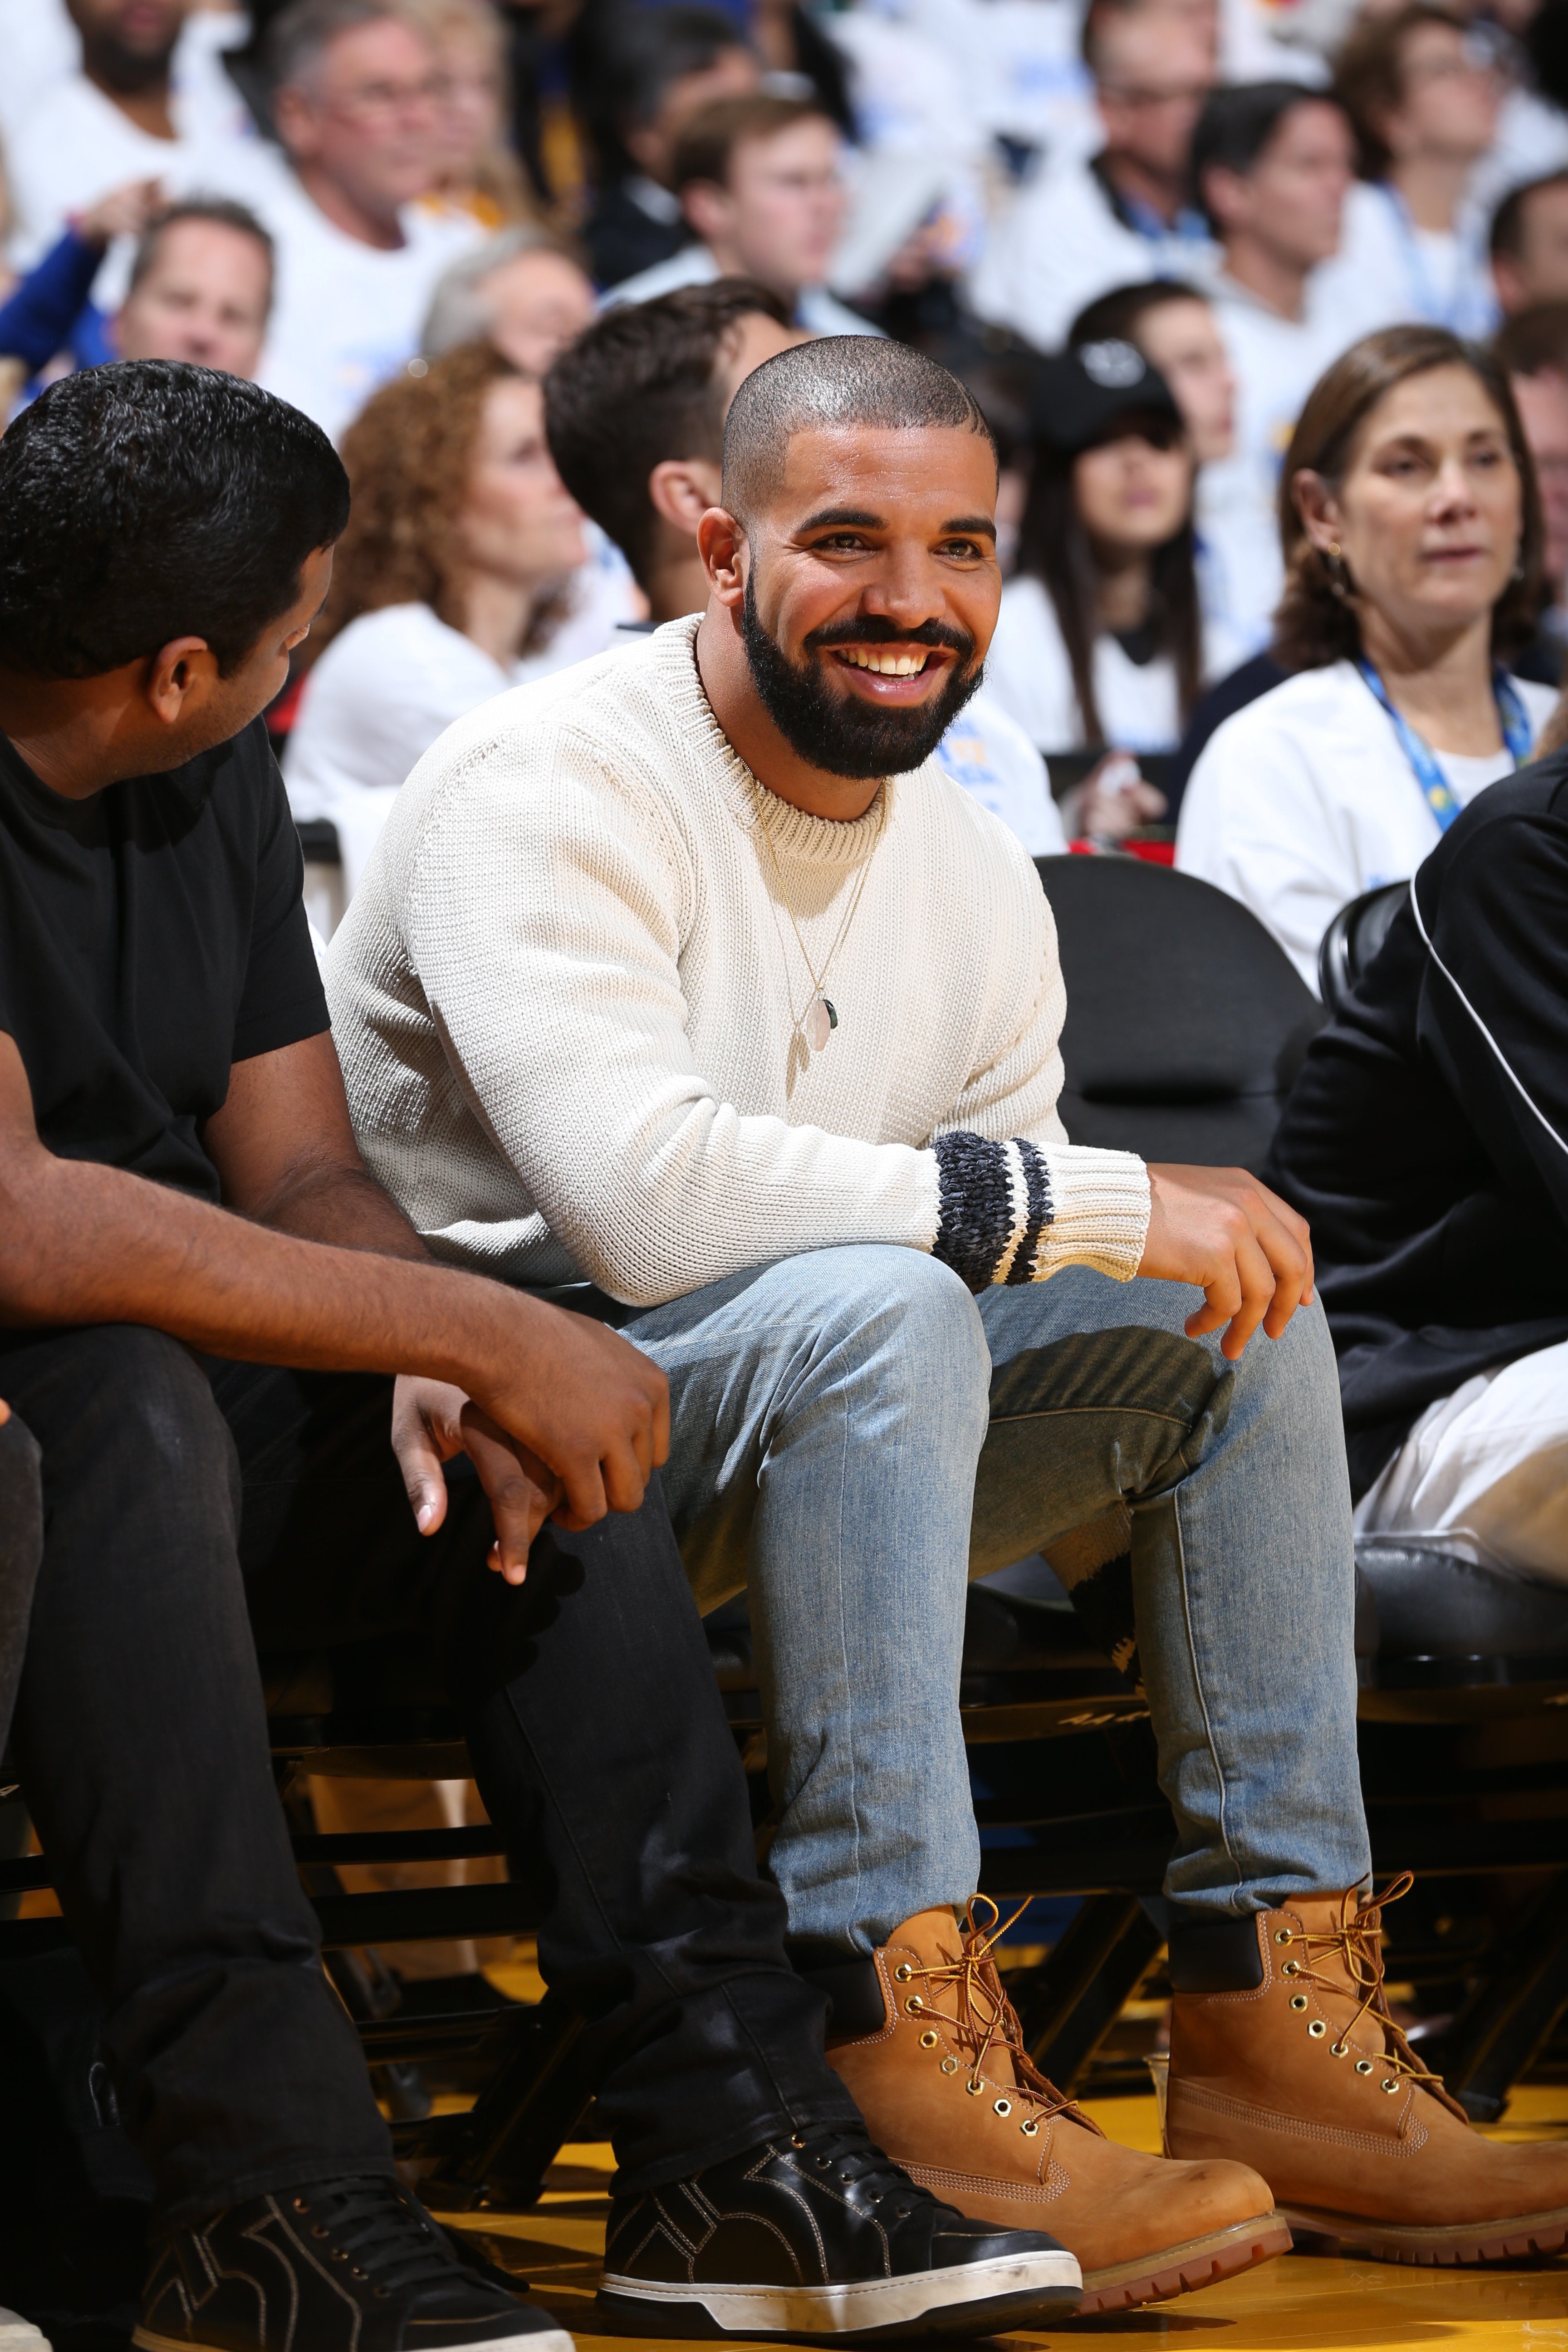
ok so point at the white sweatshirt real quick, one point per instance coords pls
(566, 996)
(1304, 799)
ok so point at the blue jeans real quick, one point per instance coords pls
(854, 1435)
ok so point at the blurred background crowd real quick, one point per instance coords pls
(1141, 230)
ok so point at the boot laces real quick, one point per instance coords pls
(386, 2242)
(982, 2018)
(1357, 1944)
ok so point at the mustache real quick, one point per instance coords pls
(876, 631)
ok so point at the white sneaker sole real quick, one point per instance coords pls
(19, 2335)
(971, 2299)
(546, 2339)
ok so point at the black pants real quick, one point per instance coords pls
(192, 1511)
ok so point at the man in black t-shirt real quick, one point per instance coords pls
(183, 1217)
(1426, 1138)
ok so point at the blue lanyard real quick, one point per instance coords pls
(1459, 314)
(1435, 789)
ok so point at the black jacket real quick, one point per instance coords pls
(1426, 1138)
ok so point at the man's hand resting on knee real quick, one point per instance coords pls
(307, 1263)
(1239, 1243)
(590, 1390)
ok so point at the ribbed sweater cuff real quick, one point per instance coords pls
(1017, 1212)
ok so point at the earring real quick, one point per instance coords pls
(1335, 565)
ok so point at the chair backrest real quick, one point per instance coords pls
(1187, 1022)
(1353, 938)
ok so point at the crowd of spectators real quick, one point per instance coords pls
(1264, 306)
(1142, 230)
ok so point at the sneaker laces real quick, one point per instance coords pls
(1357, 1944)
(982, 2018)
(387, 2241)
(854, 2159)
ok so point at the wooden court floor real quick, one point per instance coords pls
(1298, 2304)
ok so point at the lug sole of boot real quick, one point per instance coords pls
(1181, 2269)
(972, 2299)
(1316, 2231)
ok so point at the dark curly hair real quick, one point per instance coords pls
(1316, 623)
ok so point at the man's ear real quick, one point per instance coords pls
(681, 489)
(1224, 195)
(294, 118)
(721, 544)
(710, 208)
(179, 678)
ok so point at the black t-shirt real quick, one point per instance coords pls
(149, 938)
(1426, 1138)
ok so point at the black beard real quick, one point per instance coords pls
(840, 734)
(129, 72)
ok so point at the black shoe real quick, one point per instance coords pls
(337, 2266)
(821, 2237)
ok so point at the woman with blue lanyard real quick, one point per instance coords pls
(1412, 539)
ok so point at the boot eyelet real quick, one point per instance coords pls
(949, 2065)
(1388, 2083)
(1029, 2129)
(1339, 2050)
(902, 1973)
(317, 2231)
(975, 2088)
(339, 2256)
(1292, 1968)
(300, 2206)
(914, 2004)
(1317, 2029)
(1004, 2106)
(1364, 2066)
(928, 2040)
(795, 2140)
(1283, 1936)
(1298, 2001)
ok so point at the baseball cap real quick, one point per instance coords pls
(1090, 394)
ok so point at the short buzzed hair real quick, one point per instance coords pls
(822, 387)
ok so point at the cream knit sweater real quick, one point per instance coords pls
(565, 998)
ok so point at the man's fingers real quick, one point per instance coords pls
(625, 1476)
(521, 1490)
(1255, 1278)
(420, 1464)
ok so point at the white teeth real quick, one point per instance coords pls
(887, 665)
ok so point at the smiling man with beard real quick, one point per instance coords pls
(689, 976)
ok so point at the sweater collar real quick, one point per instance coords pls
(794, 832)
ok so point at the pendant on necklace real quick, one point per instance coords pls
(821, 1020)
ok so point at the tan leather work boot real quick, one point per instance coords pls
(1303, 2074)
(948, 2091)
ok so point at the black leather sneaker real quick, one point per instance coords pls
(337, 2266)
(821, 2237)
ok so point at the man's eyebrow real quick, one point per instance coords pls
(850, 518)
(980, 526)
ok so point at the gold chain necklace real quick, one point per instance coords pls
(821, 1016)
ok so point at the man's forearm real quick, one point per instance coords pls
(346, 1209)
(83, 1243)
